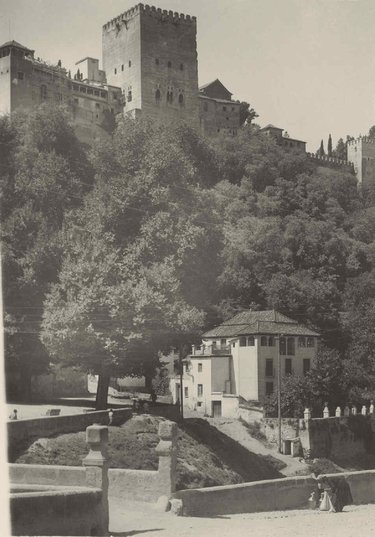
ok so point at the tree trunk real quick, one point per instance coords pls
(102, 391)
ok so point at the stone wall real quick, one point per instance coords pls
(51, 500)
(338, 437)
(23, 430)
(269, 495)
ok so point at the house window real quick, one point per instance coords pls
(115, 71)
(271, 341)
(186, 391)
(90, 91)
(181, 99)
(251, 341)
(288, 366)
(130, 63)
(282, 346)
(302, 341)
(306, 365)
(233, 344)
(290, 347)
(20, 75)
(181, 66)
(157, 95)
(43, 92)
(242, 342)
(156, 61)
(103, 94)
(76, 101)
(114, 96)
(269, 388)
(200, 390)
(82, 89)
(170, 97)
(310, 342)
(263, 341)
(96, 92)
(200, 368)
(97, 105)
(169, 65)
(269, 367)
(199, 403)
(130, 96)
(122, 67)
(224, 108)
(223, 342)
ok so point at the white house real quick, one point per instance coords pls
(239, 358)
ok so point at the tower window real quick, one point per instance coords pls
(170, 97)
(169, 65)
(43, 92)
(115, 71)
(181, 99)
(157, 95)
(130, 63)
(130, 96)
(156, 61)
(20, 75)
(181, 66)
(122, 67)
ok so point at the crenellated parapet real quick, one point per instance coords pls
(331, 161)
(161, 14)
(361, 139)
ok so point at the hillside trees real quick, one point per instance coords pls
(141, 259)
(44, 174)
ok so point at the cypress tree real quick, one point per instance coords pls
(321, 151)
(329, 146)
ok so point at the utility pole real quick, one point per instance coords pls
(181, 368)
(279, 391)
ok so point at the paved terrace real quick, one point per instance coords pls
(130, 518)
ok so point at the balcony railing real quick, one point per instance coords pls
(210, 350)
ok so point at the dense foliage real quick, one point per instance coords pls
(113, 253)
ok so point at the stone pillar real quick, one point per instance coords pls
(338, 412)
(346, 411)
(371, 410)
(167, 451)
(307, 415)
(326, 411)
(96, 463)
(354, 410)
(364, 410)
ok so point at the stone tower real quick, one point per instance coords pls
(361, 153)
(152, 55)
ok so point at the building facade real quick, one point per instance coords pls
(283, 139)
(27, 82)
(240, 359)
(150, 69)
(361, 153)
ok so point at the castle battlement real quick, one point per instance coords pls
(330, 160)
(158, 13)
(361, 139)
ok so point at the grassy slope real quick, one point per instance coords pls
(206, 457)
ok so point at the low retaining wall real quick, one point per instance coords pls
(270, 495)
(21, 430)
(48, 510)
(149, 485)
(337, 437)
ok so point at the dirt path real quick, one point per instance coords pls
(238, 432)
(129, 518)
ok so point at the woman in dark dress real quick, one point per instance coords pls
(337, 491)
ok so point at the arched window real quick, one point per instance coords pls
(157, 95)
(170, 97)
(181, 99)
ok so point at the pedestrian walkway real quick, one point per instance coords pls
(130, 518)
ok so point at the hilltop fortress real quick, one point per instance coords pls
(150, 68)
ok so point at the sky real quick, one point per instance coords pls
(307, 66)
